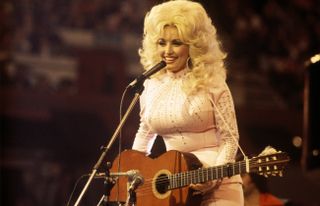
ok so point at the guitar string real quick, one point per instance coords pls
(147, 187)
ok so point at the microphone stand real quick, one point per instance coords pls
(109, 182)
(138, 88)
(132, 198)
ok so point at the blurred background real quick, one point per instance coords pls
(64, 65)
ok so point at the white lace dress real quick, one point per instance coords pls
(188, 123)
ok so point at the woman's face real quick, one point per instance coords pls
(172, 50)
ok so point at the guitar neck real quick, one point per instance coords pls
(201, 175)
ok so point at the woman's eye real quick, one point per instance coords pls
(161, 43)
(177, 42)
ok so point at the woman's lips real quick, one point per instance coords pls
(169, 60)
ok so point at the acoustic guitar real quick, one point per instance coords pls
(166, 178)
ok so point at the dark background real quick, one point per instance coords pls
(64, 66)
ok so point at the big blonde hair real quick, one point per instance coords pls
(195, 29)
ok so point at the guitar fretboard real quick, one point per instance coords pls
(205, 174)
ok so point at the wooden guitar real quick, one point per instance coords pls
(166, 178)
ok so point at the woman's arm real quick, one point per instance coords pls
(225, 118)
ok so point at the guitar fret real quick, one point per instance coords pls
(176, 180)
(222, 175)
(217, 175)
(170, 182)
(198, 175)
(233, 171)
(181, 179)
(228, 168)
(207, 175)
(202, 175)
(194, 176)
(184, 179)
(212, 174)
(241, 165)
(217, 172)
(187, 178)
(223, 171)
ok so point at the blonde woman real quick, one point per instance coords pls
(188, 103)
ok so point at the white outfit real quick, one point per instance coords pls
(188, 123)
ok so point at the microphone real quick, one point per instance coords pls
(130, 174)
(137, 180)
(148, 73)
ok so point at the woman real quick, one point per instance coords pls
(188, 103)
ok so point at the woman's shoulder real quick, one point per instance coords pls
(219, 88)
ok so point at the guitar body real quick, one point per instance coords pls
(154, 171)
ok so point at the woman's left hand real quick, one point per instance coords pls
(204, 188)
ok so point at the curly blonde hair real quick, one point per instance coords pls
(195, 29)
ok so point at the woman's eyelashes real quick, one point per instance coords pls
(175, 42)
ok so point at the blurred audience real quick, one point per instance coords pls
(256, 192)
(269, 36)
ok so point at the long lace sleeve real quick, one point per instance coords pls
(225, 117)
(144, 137)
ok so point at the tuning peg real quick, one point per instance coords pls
(280, 174)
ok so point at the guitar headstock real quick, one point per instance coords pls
(269, 162)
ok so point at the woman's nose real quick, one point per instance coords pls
(168, 49)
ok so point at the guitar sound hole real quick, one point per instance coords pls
(162, 183)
